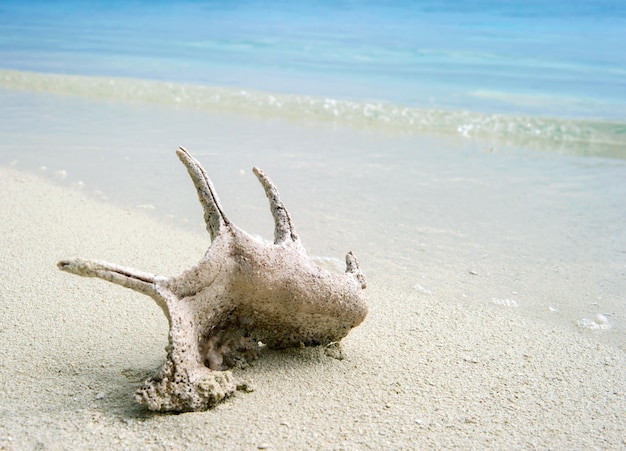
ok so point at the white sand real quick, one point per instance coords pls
(421, 372)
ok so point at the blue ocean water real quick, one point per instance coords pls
(423, 65)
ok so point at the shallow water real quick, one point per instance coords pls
(560, 58)
(595, 137)
(546, 75)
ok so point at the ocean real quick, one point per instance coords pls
(473, 151)
(550, 74)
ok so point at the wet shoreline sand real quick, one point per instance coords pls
(473, 221)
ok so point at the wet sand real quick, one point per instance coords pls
(469, 221)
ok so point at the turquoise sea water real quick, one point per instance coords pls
(549, 74)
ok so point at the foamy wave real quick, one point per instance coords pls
(555, 134)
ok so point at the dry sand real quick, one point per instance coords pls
(419, 373)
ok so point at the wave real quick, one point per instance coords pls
(564, 135)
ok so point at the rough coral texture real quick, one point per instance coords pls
(243, 292)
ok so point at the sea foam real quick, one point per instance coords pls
(572, 136)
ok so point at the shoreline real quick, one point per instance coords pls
(517, 228)
(594, 136)
(422, 371)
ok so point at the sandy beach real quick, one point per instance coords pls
(472, 157)
(421, 372)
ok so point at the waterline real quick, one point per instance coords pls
(586, 137)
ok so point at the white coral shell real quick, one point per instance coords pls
(241, 292)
